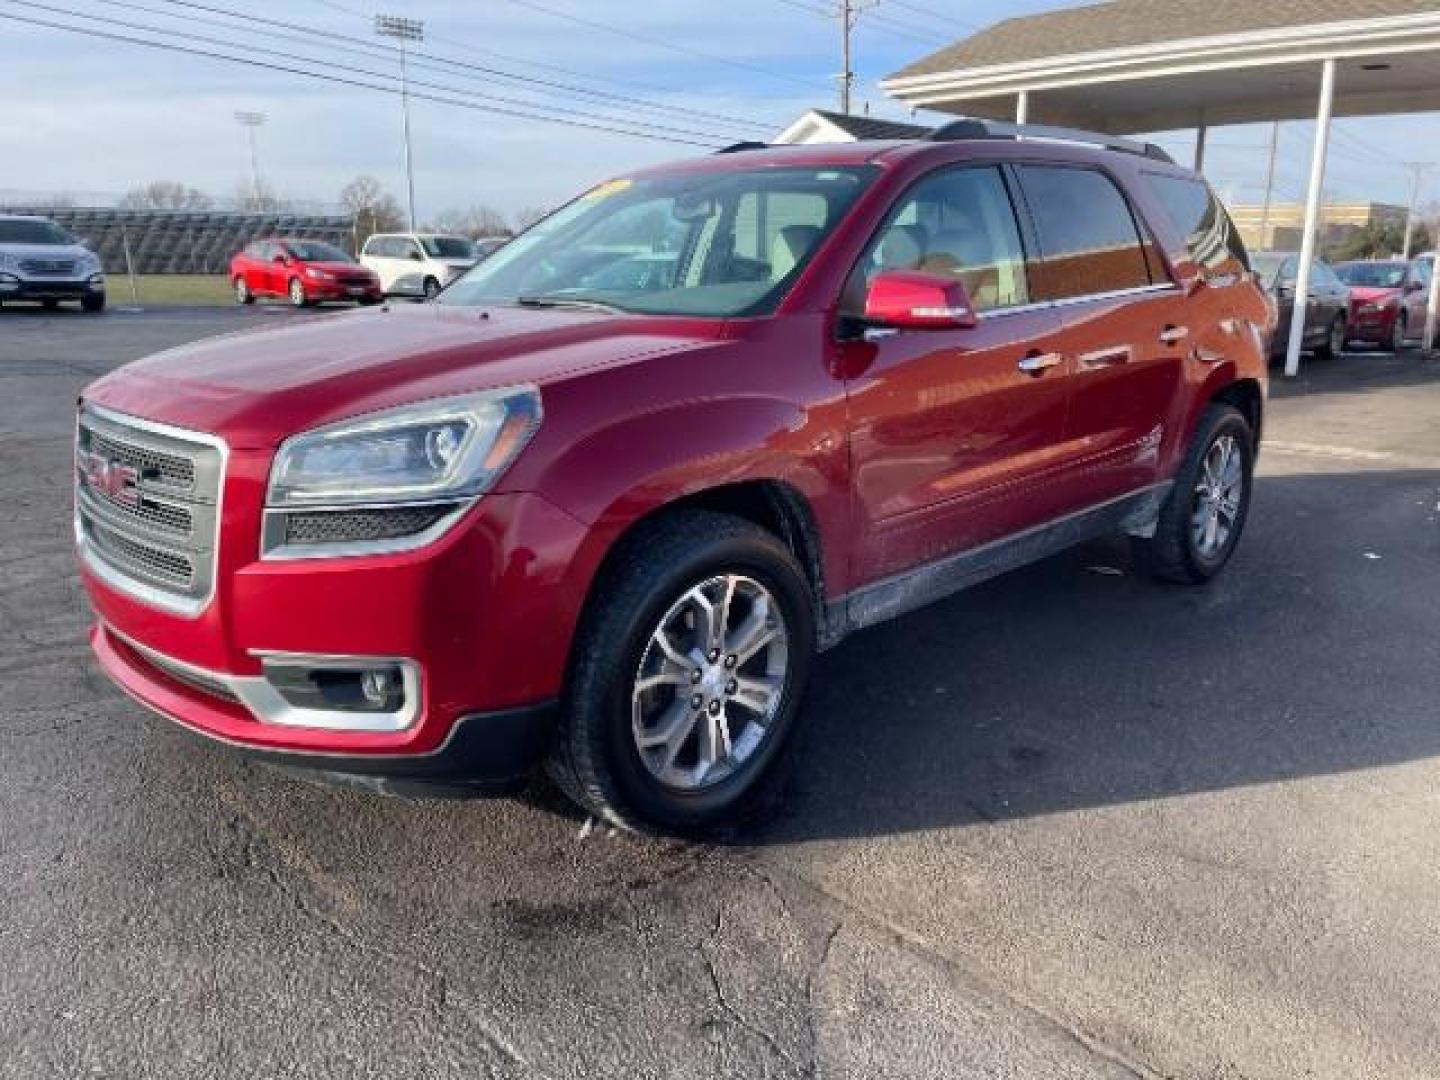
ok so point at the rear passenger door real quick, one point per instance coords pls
(1125, 326)
(953, 443)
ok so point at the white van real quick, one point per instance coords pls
(417, 264)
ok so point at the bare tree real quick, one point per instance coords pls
(165, 195)
(529, 215)
(476, 222)
(257, 197)
(373, 208)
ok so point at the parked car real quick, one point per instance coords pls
(42, 262)
(418, 264)
(303, 271)
(486, 246)
(1387, 300)
(1327, 317)
(607, 528)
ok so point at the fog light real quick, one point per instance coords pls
(338, 686)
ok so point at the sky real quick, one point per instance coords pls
(98, 117)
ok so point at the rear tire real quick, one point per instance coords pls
(1334, 340)
(1204, 515)
(643, 657)
(243, 295)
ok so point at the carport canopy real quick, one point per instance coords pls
(1132, 66)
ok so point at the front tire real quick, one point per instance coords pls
(687, 676)
(432, 288)
(1205, 513)
(297, 294)
(93, 302)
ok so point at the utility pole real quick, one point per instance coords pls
(403, 30)
(252, 121)
(1269, 187)
(1417, 169)
(847, 73)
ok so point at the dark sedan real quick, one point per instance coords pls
(1327, 314)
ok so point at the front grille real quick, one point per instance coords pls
(357, 282)
(352, 526)
(47, 266)
(154, 533)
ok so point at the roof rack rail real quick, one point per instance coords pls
(741, 147)
(973, 128)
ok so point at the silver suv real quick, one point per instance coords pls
(41, 261)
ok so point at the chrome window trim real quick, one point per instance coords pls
(264, 702)
(152, 596)
(1071, 301)
(274, 549)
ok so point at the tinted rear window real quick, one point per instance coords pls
(1210, 235)
(1089, 242)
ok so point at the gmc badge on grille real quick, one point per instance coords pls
(112, 479)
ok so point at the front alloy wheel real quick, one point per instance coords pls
(688, 668)
(709, 684)
(1218, 495)
(297, 293)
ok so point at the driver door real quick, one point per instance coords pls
(957, 435)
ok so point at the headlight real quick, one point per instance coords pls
(316, 274)
(394, 480)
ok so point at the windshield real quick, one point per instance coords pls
(707, 244)
(1267, 265)
(32, 232)
(315, 251)
(448, 247)
(1376, 275)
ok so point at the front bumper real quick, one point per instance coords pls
(332, 290)
(483, 752)
(1372, 325)
(42, 289)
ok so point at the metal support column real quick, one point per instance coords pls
(1313, 196)
(1202, 133)
(1022, 107)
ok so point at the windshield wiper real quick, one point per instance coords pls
(545, 300)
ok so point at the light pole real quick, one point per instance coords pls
(252, 121)
(403, 30)
(1418, 169)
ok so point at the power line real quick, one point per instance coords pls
(430, 59)
(479, 95)
(659, 42)
(342, 80)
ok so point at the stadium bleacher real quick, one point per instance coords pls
(184, 241)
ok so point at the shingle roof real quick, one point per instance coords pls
(1122, 23)
(863, 127)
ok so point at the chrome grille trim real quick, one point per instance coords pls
(160, 544)
(47, 266)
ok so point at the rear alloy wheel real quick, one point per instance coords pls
(432, 288)
(297, 293)
(689, 667)
(243, 295)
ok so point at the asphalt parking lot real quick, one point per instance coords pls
(1070, 824)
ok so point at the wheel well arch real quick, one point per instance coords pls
(1246, 396)
(776, 506)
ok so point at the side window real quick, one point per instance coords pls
(1324, 275)
(374, 245)
(1089, 242)
(1210, 236)
(776, 229)
(959, 223)
(1422, 271)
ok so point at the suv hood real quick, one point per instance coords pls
(45, 251)
(256, 388)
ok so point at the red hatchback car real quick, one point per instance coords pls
(602, 520)
(1388, 300)
(303, 271)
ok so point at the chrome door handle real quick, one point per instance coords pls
(1173, 335)
(1039, 363)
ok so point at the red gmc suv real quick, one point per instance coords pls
(600, 504)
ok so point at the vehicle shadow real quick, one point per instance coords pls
(1075, 683)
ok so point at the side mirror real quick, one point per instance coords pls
(915, 300)
(1413, 286)
(417, 256)
(282, 259)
